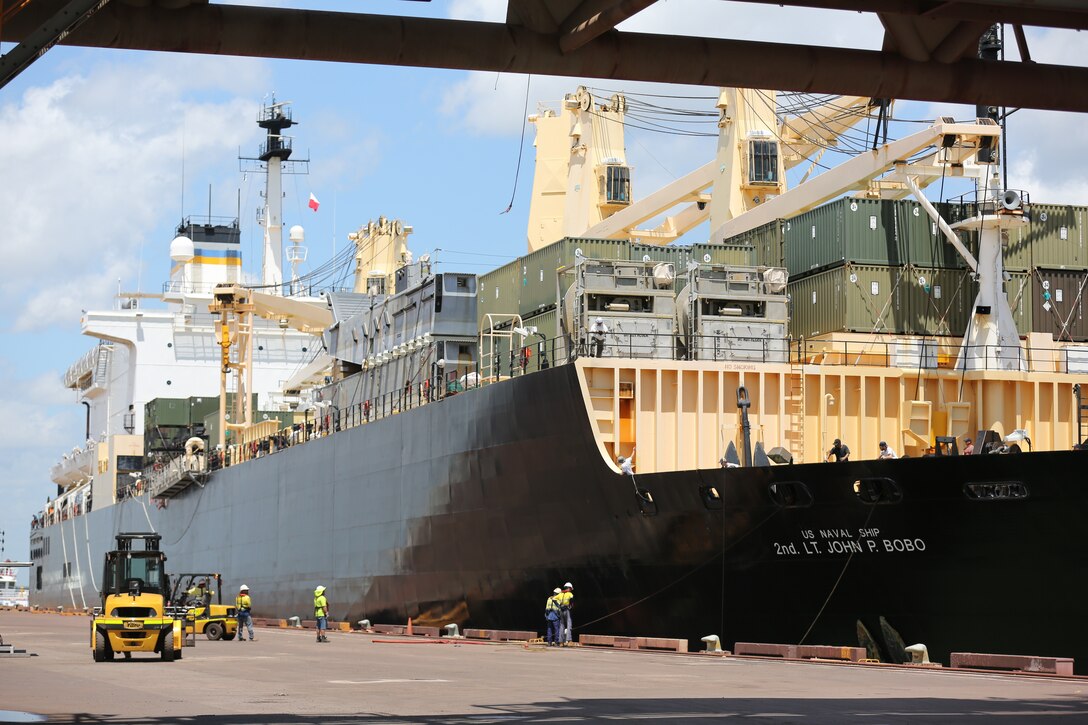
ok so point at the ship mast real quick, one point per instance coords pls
(275, 161)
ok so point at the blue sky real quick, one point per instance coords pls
(94, 144)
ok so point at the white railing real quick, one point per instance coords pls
(172, 473)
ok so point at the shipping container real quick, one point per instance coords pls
(850, 298)
(1058, 304)
(1018, 292)
(1056, 236)
(166, 412)
(537, 272)
(927, 245)
(677, 254)
(547, 351)
(200, 407)
(941, 301)
(848, 230)
(767, 243)
(498, 290)
(739, 255)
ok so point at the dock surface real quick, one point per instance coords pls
(286, 677)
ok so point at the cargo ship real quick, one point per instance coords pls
(447, 447)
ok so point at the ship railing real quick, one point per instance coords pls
(72, 503)
(911, 353)
(168, 479)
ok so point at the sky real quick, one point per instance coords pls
(104, 151)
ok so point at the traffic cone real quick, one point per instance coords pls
(410, 626)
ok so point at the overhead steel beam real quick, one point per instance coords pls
(424, 42)
(35, 44)
(594, 18)
(1069, 14)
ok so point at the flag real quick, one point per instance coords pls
(314, 203)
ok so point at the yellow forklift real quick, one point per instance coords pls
(193, 594)
(133, 617)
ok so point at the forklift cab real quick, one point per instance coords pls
(199, 599)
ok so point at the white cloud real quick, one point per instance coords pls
(104, 149)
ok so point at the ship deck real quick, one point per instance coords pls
(285, 677)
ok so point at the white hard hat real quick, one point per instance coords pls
(557, 590)
(243, 588)
(568, 585)
(599, 319)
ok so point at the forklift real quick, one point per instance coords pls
(192, 594)
(132, 616)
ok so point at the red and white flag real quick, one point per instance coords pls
(314, 203)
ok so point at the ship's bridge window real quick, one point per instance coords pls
(762, 161)
(878, 490)
(996, 490)
(617, 184)
(790, 494)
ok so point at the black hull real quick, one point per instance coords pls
(472, 509)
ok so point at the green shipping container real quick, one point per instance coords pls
(926, 244)
(739, 255)
(767, 243)
(848, 230)
(677, 254)
(1018, 290)
(940, 300)
(498, 291)
(538, 270)
(850, 298)
(1057, 236)
(171, 412)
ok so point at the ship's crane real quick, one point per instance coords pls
(755, 148)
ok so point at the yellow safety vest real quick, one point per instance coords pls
(553, 604)
(243, 603)
(320, 605)
(564, 599)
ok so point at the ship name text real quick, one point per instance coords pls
(846, 541)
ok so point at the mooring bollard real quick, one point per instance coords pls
(713, 643)
(294, 622)
(452, 631)
(919, 654)
(364, 624)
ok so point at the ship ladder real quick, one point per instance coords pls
(795, 405)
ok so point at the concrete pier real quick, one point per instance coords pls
(287, 677)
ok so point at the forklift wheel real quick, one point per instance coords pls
(213, 631)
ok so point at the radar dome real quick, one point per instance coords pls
(181, 249)
(297, 234)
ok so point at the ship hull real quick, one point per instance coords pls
(472, 509)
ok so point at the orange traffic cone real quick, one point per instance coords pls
(410, 626)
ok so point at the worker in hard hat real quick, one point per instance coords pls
(566, 602)
(552, 617)
(200, 594)
(597, 332)
(242, 605)
(321, 613)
